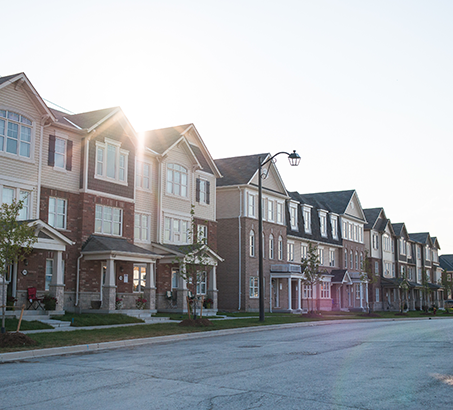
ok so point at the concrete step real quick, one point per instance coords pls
(56, 323)
(153, 320)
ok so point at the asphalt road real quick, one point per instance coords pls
(371, 365)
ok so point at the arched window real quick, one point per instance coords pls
(252, 243)
(346, 259)
(271, 246)
(356, 261)
(15, 134)
(177, 180)
(280, 248)
(351, 259)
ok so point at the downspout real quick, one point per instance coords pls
(159, 203)
(78, 281)
(41, 142)
(240, 247)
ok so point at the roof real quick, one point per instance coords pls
(422, 237)
(372, 216)
(161, 139)
(8, 77)
(97, 243)
(238, 170)
(446, 262)
(340, 276)
(86, 120)
(336, 202)
(398, 227)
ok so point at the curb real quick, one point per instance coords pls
(96, 347)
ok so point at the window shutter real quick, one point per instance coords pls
(51, 158)
(197, 191)
(208, 192)
(68, 155)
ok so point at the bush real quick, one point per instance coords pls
(50, 302)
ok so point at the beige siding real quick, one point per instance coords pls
(271, 182)
(205, 211)
(53, 177)
(354, 208)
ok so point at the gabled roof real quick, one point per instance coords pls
(98, 243)
(446, 262)
(422, 237)
(372, 216)
(335, 202)
(87, 120)
(398, 228)
(340, 276)
(238, 170)
(8, 78)
(435, 242)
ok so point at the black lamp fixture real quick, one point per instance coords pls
(294, 161)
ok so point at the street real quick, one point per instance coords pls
(375, 365)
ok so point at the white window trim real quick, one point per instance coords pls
(118, 152)
(307, 219)
(17, 195)
(254, 291)
(139, 175)
(141, 274)
(3, 151)
(102, 220)
(141, 228)
(171, 238)
(293, 217)
(56, 214)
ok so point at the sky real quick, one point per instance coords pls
(362, 90)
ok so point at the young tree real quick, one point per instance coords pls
(16, 242)
(403, 288)
(425, 290)
(195, 262)
(367, 275)
(310, 268)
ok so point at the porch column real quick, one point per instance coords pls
(212, 289)
(366, 295)
(361, 295)
(299, 294)
(109, 288)
(56, 287)
(181, 300)
(289, 294)
(150, 286)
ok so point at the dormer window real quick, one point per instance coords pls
(293, 216)
(307, 219)
(323, 223)
(334, 223)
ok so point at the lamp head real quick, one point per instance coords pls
(294, 159)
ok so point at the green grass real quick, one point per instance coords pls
(95, 319)
(11, 325)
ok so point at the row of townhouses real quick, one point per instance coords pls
(113, 210)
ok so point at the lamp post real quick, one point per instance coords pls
(294, 160)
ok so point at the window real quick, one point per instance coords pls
(307, 220)
(174, 278)
(408, 250)
(351, 259)
(321, 256)
(270, 210)
(143, 177)
(15, 134)
(49, 273)
(279, 213)
(331, 257)
(386, 243)
(141, 228)
(419, 274)
(307, 292)
(108, 220)
(356, 261)
(290, 251)
(203, 191)
(201, 285)
(375, 241)
(271, 247)
(303, 251)
(252, 243)
(293, 217)
(402, 246)
(9, 194)
(202, 234)
(376, 267)
(325, 290)
(428, 256)
(323, 224)
(254, 287)
(357, 290)
(361, 261)
(60, 153)
(177, 180)
(345, 230)
(346, 259)
(251, 205)
(176, 230)
(377, 294)
(57, 213)
(263, 244)
(111, 161)
(334, 223)
(280, 248)
(139, 280)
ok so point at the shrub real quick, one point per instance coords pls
(50, 302)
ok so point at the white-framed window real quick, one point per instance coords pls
(201, 285)
(376, 267)
(377, 294)
(49, 273)
(428, 253)
(252, 243)
(202, 233)
(362, 267)
(108, 220)
(357, 290)
(177, 180)
(331, 257)
(393, 270)
(356, 261)
(419, 275)
(57, 212)
(271, 247)
(143, 175)
(419, 256)
(386, 243)
(10, 194)
(325, 290)
(139, 280)
(141, 228)
(303, 251)
(334, 223)
(270, 210)
(408, 250)
(346, 259)
(111, 161)
(375, 241)
(176, 230)
(345, 230)
(254, 287)
(251, 205)
(15, 134)
(280, 248)
(290, 251)
(323, 223)
(202, 191)
(307, 220)
(279, 212)
(321, 256)
(174, 278)
(307, 292)
(351, 259)
(60, 153)
(293, 217)
(402, 246)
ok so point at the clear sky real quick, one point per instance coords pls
(363, 90)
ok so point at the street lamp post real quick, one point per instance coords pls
(294, 160)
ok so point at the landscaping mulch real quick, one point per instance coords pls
(15, 339)
(195, 322)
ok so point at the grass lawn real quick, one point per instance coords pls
(57, 339)
(95, 319)
(11, 325)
